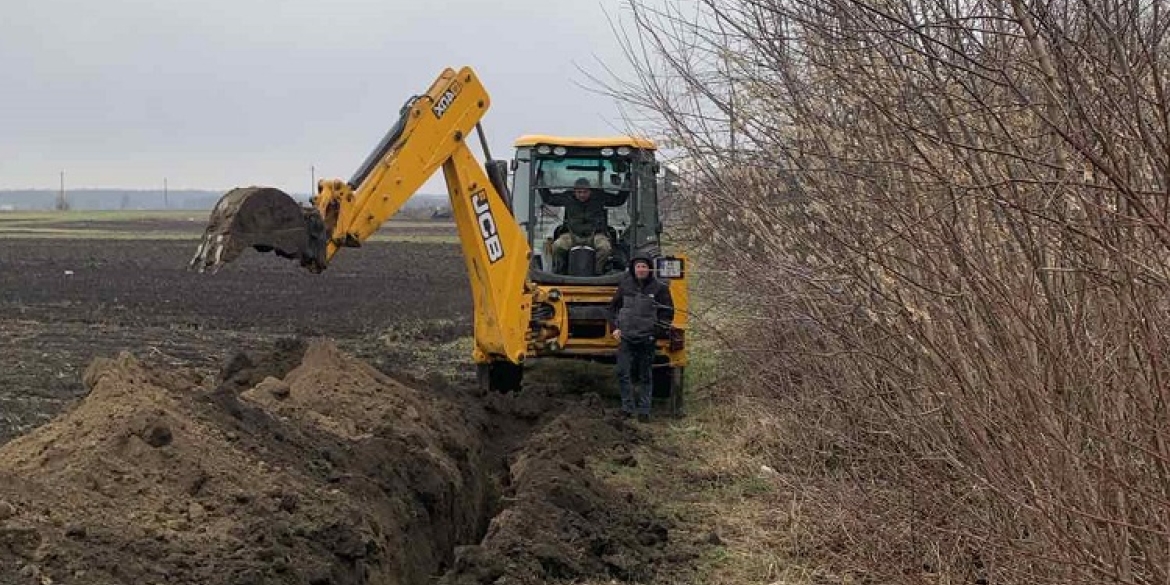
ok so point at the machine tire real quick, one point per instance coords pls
(499, 376)
(669, 384)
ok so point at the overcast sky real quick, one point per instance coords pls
(211, 94)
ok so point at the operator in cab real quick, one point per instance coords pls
(585, 222)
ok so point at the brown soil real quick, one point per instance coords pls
(309, 466)
(187, 461)
(65, 302)
(563, 522)
(152, 478)
(196, 222)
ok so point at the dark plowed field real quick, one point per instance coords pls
(65, 301)
(232, 445)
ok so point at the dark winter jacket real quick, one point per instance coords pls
(642, 310)
(588, 218)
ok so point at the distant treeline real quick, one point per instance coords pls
(115, 199)
(94, 199)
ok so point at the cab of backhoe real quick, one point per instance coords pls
(556, 180)
(614, 182)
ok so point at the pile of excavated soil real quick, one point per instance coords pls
(562, 522)
(306, 465)
(333, 474)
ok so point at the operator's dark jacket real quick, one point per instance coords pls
(588, 218)
(642, 310)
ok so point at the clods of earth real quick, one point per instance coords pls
(239, 429)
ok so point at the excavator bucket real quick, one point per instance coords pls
(266, 219)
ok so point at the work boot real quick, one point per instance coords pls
(643, 418)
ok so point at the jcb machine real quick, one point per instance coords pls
(534, 296)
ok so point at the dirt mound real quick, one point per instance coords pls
(562, 522)
(306, 465)
(335, 474)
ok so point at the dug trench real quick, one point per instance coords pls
(306, 465)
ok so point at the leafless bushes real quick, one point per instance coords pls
(944, 226)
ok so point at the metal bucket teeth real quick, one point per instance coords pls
(263, 218)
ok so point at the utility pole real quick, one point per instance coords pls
(166, 201)
(312, 181)
(62, 205)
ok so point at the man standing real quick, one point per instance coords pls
(641, 311)
(585, 222)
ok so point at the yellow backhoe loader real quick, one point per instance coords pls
(532, 298)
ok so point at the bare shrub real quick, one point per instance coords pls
(942, 231)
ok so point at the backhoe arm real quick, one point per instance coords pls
(431, 133)
(432, 130)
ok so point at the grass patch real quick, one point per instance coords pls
(177, 225)
(92, 234)
(197, 216)
(578, 376)
(703, 473)
(103, 215)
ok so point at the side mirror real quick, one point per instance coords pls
(515, 164)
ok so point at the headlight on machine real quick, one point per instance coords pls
(668, 267)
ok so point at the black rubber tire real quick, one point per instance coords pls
(500, 377)
(669, 384)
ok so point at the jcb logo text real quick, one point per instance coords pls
(488, 229)
(446, 99)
